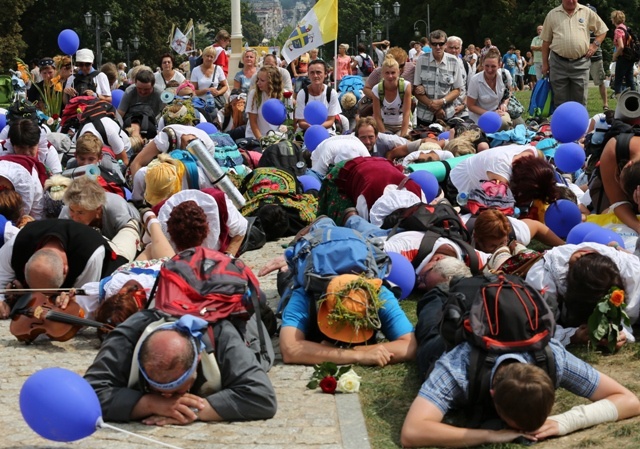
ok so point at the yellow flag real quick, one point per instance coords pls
(318, 27)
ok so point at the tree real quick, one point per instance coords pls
(12, 44)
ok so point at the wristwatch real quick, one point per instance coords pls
(595, 41)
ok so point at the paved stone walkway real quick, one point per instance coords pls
(305, 419)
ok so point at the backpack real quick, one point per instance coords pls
(306, 94)
(367, 65)
(227, 154)
(435, 220)
(213, 286)
(541, 102)
(142, 113)
(491, 195)
(631, 50)
(400, 91)
(22, 109)
(285, 155)
(496, 314)
(83, 83)
(325, 252)
(353, 84)
(92, 112)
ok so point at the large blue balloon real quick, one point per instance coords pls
(309, 182)
(60, 405)
(490, 122)
(3, 121)
(314, 136)
(274, 112)
(116, 97)
(561, 216)
(444, 136)
(579, 232)
(569, 122)
(604, 236)
(315, 113)
(207, 127)
(428, 183)
(402, 274)
(68, 41)
(569, 157)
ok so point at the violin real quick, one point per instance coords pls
(36, 313)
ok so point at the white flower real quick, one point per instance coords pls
(349, 382)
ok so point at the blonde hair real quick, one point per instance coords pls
(89, 144)
(86, 193)
(390, 61)
(463, 144)
(618, 17)
(210, 50)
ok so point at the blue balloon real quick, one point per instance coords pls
(309, 182)
(3, 121)
(402, 274)
(579, 232)
(207, 127)
(315, 113)
(116, 97)
(274, 112)
(443, 136)
(427, 182)
(604, 236)
(68, 41)
(314, 136)
(569, 157)
(569, 122)
(490, 122)
(60, 405)
(562, 216)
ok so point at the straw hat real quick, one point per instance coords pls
(349, 310)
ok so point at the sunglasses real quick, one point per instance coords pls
(45, 63)
(66, 66)
(438, 44)
(85, 64)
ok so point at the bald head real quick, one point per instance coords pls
(166, 354)
(45, 269)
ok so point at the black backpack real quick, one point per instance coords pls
(306, 94)
(496, 314)
(631, 51)
(83, 83)
(285, 155)
(142, 113)
(435, 220)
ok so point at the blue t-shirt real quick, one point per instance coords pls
(510, 62)
(245, 82)
(394, 322)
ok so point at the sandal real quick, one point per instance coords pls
(605, 108)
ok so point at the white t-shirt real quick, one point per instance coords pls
(391, 110)
(177, 76)
(467, 175)
(485, 97)
(162, 139)
(117, 138)
(520, 228)
(360, 61)
(207, 81)
(252, 108)
(334, 150)
(47, 153)
(333, 106)
(102, 84)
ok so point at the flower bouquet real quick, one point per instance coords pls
(330, 379)
(608, 317)
(50, 92)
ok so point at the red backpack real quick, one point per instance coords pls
(210, 285)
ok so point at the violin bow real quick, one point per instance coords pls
(78, 291)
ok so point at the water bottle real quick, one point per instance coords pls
(462, 198)
(210, 102)
(599, 130)
(91, 170)
(516, 212)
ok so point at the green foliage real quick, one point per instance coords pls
(11, 38)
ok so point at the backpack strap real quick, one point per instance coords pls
(623, 141)
(480, 405)
(505, 81)
(306, 94)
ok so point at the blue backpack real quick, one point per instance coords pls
(328, 250)
(353, 84)
(541, 104)
(227, 154)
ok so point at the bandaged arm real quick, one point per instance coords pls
(583, 416)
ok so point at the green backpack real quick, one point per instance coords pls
(400, 89)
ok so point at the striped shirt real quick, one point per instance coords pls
(447, 386)
(438, 80)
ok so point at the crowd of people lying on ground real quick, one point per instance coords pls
(141, 237)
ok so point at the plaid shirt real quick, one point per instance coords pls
(438, 80)
(447, 386)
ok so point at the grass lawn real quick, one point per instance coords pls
(387, 393)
